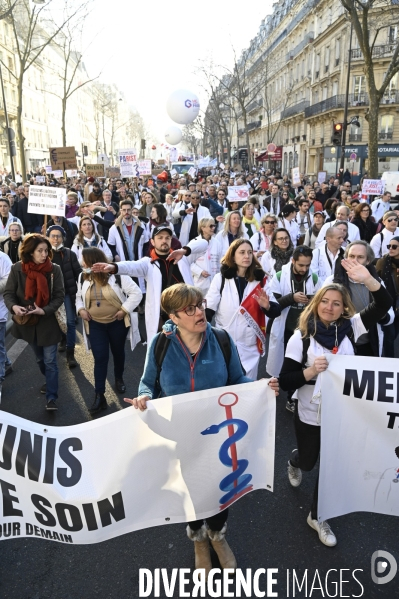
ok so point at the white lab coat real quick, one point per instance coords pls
(206, 261)
(202, 212)
(381, 240)
(320, 262)
(229, 318)
(102, 245)
(275, 356)
(130, 296)
(353, 232)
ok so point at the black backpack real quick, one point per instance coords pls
(162, 344)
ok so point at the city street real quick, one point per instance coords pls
(266, 530)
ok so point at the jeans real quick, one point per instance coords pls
(71, 324)
(102, 337)
(307, 454)
(4, 361)
(46, 358)
(390, 333)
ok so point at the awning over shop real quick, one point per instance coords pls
(277, 155)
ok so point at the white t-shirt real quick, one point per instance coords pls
(308, 406)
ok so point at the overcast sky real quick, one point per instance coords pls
(149, 49)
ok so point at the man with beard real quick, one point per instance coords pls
(160, 272)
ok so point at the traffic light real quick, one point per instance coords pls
(336, 138)
(143, 144)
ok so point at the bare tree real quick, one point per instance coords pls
(369, 18)
(272, 102)
(190, 138)
(30, 40)
(72, 75)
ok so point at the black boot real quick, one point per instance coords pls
(70, 356)
(99, 403)
(120, 385)
(62, 345)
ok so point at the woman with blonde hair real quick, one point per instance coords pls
(233, 229)
(238, 296)
(107, 304)
(248, 218)
(329, 324)
(88, 237)
(207, 264)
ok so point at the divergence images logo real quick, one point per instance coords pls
(379, 567)
(235, 484)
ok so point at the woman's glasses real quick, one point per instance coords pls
(191, 310)
(390, 220)
(392, 247)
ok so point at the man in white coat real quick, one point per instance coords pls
(342, 214)
(326, 255)
(160, 270)
(381, 240)
(380, 206)
(293, 287)
(191, 215)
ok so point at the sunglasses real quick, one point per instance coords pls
(392, 247)
(212, 226)
(269, 222)
(390, 220)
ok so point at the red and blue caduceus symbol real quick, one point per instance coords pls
(236, 483)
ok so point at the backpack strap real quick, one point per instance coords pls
(222, 285)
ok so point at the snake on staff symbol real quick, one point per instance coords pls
(236, 483)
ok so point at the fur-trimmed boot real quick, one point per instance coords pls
(221, 546)
(201, 548)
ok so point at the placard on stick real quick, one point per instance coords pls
(95, 170)
(63, 158)
(47, 200)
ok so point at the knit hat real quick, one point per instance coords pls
(56, 228)
(90, 179)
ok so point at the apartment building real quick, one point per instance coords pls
(302, 52)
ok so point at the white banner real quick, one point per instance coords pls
(296, 178)
(359, 468)
(321, 177)
(187, 457)
(46, 200)
(237, 193)
(57, 174)
(373, 187)
(128, 160)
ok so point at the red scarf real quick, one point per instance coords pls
(254, 316)
(36, 287)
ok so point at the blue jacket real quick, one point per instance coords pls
(181, 374)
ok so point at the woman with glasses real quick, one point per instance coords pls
(313, 232)
(241, 288)
(380, 240)
(249, 220)
(279, 254)
(193, 347)
(11, 244)
(262, 240)
(388, 269)
(365, 222)
(106, 304)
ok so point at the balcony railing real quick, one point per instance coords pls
(385, 135)
(355, 137)
(337, 102)
(253, 125)
(309, 37)
(296, 109)
(255, 104)
(378, 51)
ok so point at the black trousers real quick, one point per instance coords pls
(215, 522)
(306, 456)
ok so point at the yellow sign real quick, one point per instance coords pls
(95, 170)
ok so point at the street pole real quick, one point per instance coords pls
(10, 147)
(344, 124)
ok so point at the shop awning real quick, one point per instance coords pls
(277, 155)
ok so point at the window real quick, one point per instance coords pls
(325, 92)
(393, 34)
(355, 133)
(386, 123)
(359, 88)
(390, 92)
(335, 88)
(326, 59)
(337, 51)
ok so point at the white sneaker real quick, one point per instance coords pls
(324, 531)
(294, 475)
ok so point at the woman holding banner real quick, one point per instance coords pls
(187, 340)
(239, 297)
(328, 325)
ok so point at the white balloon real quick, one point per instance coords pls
(183, 106)
(173, 135)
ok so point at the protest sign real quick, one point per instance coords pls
(57, 174)
(296, 179)
(46, 200)
(95, 170)
(49, 169)
(221, 165)
(173, 172)
(63, 158)
(191, 171)
(143, 167)
(113, 172)
(40, 179)
(321, 177)
(128, 160)
(185, 458)
(238, 193)
(71, 173)
(373, 187)
(359, 468)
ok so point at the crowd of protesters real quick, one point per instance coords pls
(314, 265)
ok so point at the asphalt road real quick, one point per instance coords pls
(266, 530)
